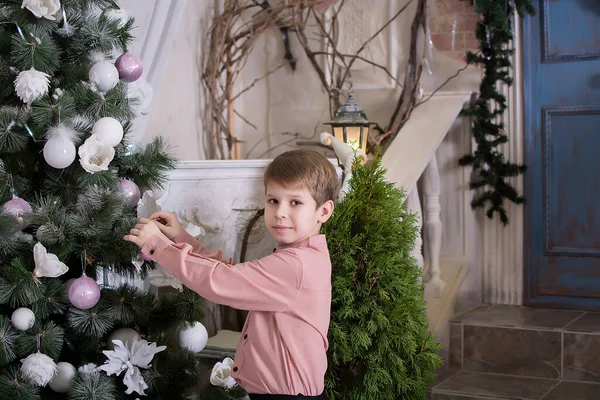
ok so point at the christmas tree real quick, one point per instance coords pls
(380, 347)
(70, 182)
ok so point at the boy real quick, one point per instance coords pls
(282, 349)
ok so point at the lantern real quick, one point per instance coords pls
(350, 125)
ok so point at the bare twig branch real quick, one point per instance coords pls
(246, 120)
(383, 68)
(412, 77)
(255, 81)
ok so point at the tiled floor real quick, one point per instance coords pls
(505, 352)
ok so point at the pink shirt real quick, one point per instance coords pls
(283, 345)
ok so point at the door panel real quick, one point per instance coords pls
(561, 52)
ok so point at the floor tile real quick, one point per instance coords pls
(455, 346)
(589, 322)
(574, 391)
(478, 385)
(443, 375)
(461, 397)
(511, 316)
(581, 361)
(523, 352)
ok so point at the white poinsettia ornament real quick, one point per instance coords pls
(38, 368)
(221, 374)
(47, 264)
(31, 84)
(95, 155)
(89, 368)
(130, 358)
(42, 8)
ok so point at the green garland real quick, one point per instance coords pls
(489, 166)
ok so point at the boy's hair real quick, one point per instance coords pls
(306, 168)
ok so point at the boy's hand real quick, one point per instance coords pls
(168, 223)
(143, 231)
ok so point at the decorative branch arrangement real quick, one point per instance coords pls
(489, 166)
(232, 37)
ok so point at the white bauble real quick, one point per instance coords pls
(38, 368)
(125, 335)
(104, 75)
(62, 380)
(59, 152)
(193, 337)
(31, 85)
(108, 130)
(22, 318)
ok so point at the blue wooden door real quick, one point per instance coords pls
(561, 56)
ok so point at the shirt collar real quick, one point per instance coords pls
(307, 242)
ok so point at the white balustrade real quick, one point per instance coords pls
(433, 225)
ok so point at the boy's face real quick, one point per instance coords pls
(291, 214)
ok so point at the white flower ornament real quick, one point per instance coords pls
(221, 374)
(138, 355)
(42, 8)
(95, 155)
(47, 264)
(31, 84)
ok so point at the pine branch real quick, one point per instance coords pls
(53, 300)
(35, 49)
(50, 337)
(11, 242)
(49, 110)
(174, 370)
(8, 341)
(14, 387)
(95, 386)
(96, 105)
(188, 305)
(148, 168)
(13, 136)
(90, 325)
(490, 168)
(127, 305)
(17, 286)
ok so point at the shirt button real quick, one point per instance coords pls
(246, 336)
(235, 369)
(151, 251)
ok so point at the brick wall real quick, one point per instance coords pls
(442, 15)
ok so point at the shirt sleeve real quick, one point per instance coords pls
(198, 248)
(268, 284)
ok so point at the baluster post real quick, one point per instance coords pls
(433, 225)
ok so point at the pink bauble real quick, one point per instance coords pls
(17, 207)
(129, 191)
(144, 256)
(129, 66)
(84, 293)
